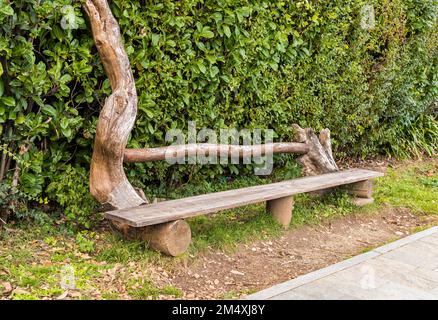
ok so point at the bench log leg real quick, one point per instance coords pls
(362, 192)
(171, 238)
(281, 210)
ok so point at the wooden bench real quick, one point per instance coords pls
(163, 224)
(175, 238)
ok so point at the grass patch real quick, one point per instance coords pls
(115, 249)
(148, 291)
(412, 186)
(227, 229)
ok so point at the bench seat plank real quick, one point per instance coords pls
(171, 210)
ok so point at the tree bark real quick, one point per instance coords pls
(108, 182)
(172, 238)
(319, 159)
(163, 153)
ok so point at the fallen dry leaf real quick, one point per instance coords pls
(62, 296)
(237, 272)
(7, 287)
(19, 290)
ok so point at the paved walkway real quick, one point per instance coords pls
(404, 269)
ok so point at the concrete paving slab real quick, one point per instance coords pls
(404, 269)
(406, 240)
(307, 278)
(430, 239)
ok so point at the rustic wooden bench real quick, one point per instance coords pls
(145, 221)
(163, 224)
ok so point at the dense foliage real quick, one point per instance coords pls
(222, 63)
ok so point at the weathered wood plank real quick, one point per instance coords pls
(161, 212)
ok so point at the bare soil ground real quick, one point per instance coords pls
(299, 251)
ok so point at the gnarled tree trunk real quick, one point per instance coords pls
(319, 159)
(108, 182)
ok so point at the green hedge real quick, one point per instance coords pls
(222, 63)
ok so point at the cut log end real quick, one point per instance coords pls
(362, 189)
(281, 210)
(171, 238)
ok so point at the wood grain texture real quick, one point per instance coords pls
(206, 149)
(171, 238)
(281, 210)
(319, 159)
(108, 182)
(362, 189)
(161, 212)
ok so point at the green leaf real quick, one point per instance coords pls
(2, 87)
(49, 110)
(20, 120)
(206, 34)
(227, 31)
(6, 9)
(64, 123)
(12, 115)
(65, 78)
(8, 101)
(214, 71)
(57, 31)
(201, 66)
(67, 132)
(155, 38)
(150, 128)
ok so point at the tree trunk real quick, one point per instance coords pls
(172, 238)
(319, 159)
(108, 182)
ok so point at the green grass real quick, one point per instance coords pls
(147, 291)
(414, 187)
(115, 249)
(227, 229)
(32, 262)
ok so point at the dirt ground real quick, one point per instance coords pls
(299, 251)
